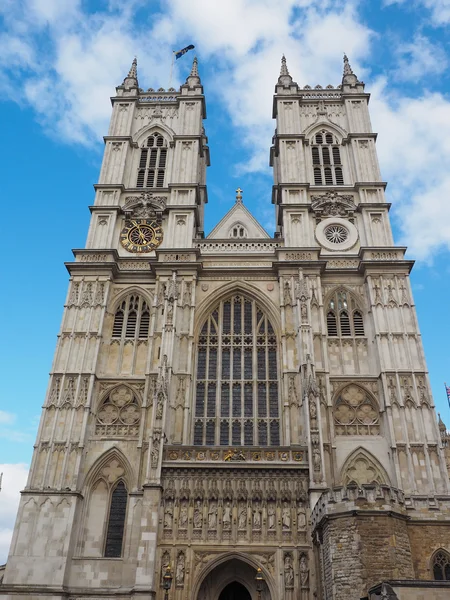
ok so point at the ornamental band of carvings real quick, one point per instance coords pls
(134, 266)
(342, 264)
(298, 256)
(178, 257)
(145, 206)
(93, 257)
(384, 255)
(235, 455)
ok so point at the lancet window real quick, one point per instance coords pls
(237, 397)
(344, 318)
(116, 521)
(441, 566)
(326, 159)
(152, 162)
(132, 319)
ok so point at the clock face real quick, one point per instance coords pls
(141, 235)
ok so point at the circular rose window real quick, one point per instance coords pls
(336, 234)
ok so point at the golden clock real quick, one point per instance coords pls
(141, 235)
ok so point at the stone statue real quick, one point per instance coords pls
(316, 459)
(271, 517)
(288, 571)
(242, 521)
(227, 515)
(179, 572)
(212, 516)
(301, 519)
(165, 562)
(168, 516)
(183, 516)
(198, 515)
(304, 571)
(286, 516)
(257, 516)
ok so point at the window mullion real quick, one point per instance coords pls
(254, 373)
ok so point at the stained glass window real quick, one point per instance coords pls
(237, 396)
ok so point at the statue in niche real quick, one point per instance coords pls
(287, 293)
(212, 516)
(198, 515)
(168, 516)
(160, 405)
(179, 571)
(257, 516)
(304, 571)
(165, 562)
(301, 519)
(227, 515)
(316, 459)
(271, 516)
(183, 515)
(286, 516)
(242, 517)
(288, 571)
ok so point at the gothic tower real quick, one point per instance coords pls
(238, 414)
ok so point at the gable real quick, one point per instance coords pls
(240, 218)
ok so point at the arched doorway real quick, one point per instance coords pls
(231, 578)
(235, 591)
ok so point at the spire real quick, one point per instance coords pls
(194, 77)
(285, 77)
(348, 77)
(131, 80)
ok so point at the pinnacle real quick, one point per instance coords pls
(347, 68)
(284, 70)
(194, 70)
(132, 73)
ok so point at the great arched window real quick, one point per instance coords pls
(132, 319)
(236, 397)
(116, 521)
(441, 566)
(326, 159)
(152, 163)
(344, 318)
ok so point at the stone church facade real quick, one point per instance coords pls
(236, 404)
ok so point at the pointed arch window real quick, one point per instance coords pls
(344, 318)
(326, 159)
(131, 319)
(237, 396)
(152, 162)
(116, 521)
(238, 231)
(441, 566)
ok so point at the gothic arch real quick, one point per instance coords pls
(237, 287)
(226, 557)
(96, 472)
(142, 134)
(104, 395)
(440, 565)
(325, 124)
(357, 299)
(130, 291)
(361, 467)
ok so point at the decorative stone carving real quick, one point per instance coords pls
(179, 569)
(362, 469)
(333, 204)
(271, 516)
(183, 518)
(119, 414)
(286, 516)
(145, 206)
(242, 515)
(198, 515)
(288, 571)
(212, 515)
(165, 562)
(355, 413)
(156, 445)
(168, 515)
(304, 570)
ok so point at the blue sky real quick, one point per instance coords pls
(60, 62)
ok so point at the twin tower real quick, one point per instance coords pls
(236, 415)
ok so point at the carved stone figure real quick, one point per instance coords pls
(227, 515)
(179, 571)
(168, 516)
(271, 517)
(288, 572)
(212, 516)
(257, 516)
(316, 459)
(165, 562)
(198, 515)
(242, 520)
(301, 519)
(286, 516)
(183, 516)
(155, 448)
(304, 571)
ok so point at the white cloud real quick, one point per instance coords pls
(439, 9)
(6, 418)
(14, 480)
(420, 57)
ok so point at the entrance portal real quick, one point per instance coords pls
(235, 591)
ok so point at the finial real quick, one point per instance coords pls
(441, 424)
(132, 73)
(284, 69)
(347, 67)
(194, 70)
(239, 195)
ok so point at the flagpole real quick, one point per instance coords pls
(171, 68)
(447, 389)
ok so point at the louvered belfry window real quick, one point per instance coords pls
(236, 396)
(132, 319)
(326, 159)
(344, 319)
(152, 163)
